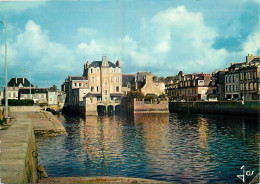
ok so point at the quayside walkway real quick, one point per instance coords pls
(43, 122)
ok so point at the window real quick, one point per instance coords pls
(254, 86)
(91, 100)
(91, 71)
(105, 81)
(117, 79)
(105, 92)
(240, 76)
(79, 84)
(117, 89)
(93, 79)
(97, 70)
(97, 89)
(241, 87)
(249, 75)
(233, 78)
(92, 88)
(9, 94)
(254, 75)
(75, 84)
(230, 88)
(233, 88)
(229, 78)
(251, 86)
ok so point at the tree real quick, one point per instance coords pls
(162, 95)
(135, 94)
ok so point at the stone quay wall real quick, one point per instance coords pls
(222, 107)
(143, 107)
(18, 154)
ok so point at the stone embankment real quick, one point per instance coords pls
(18, 151)
(251, 108)
(43, 122)
(18, 156)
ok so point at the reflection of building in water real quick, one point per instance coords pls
(101, 139)
(155, 136)
(203, 132)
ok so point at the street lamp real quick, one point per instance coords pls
(6, 90)
(30, 81)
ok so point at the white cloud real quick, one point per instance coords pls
(45, 59)
(170, 40)
(252, 44)
(19, 6)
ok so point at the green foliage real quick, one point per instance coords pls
(135, 94)
(13, 102)
(162, 95)
(149, 98)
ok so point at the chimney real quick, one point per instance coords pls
(118, 63)
(87, 64)
(15, 80)
(36, 86)
(23, 80)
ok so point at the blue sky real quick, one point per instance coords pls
(53, 39)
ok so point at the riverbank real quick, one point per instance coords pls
(251, 108)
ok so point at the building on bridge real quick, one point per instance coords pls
(100, 87)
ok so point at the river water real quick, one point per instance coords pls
(169, 147)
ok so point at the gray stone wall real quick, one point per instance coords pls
(224, 108)
(17, 164)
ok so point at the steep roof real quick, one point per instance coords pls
(77, 78)
(255, 60)
(126, 78)
(140, 76)
(96, 64)
(33, 91)
(15, 82)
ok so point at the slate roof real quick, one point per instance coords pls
(33, 91)
(141, 76)
(126, 78)
(12, 82)
(96, 64)
(77, 78)
(255, 60)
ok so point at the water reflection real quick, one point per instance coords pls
(171, 147)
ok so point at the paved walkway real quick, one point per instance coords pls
(43, 122)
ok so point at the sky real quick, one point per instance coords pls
(53, 39)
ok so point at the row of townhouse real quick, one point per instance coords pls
(237, 82)
(192, 87)
(242, 79)
(21, 88)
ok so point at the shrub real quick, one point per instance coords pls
(149, 98)
(13, 102)
(135, 94)
(162, 95)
